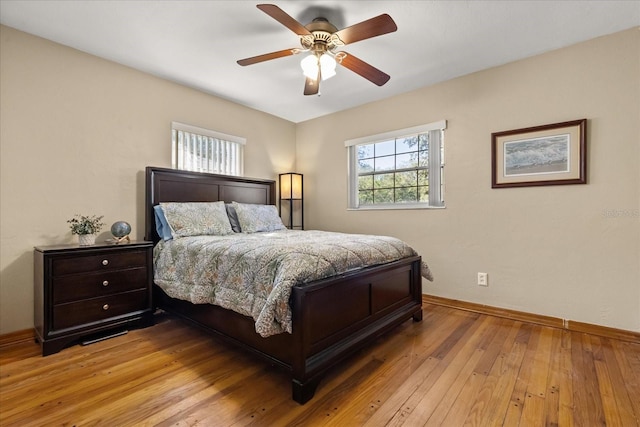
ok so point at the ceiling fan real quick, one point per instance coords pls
(322, 39)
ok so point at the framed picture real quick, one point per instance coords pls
(552, 154)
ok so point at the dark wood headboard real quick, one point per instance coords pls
(172, 185)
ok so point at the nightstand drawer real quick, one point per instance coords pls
(90, 263)
(82, 286)
(92, 310)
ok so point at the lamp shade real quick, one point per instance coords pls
(291, 203)
(291, 186)
(327, 66)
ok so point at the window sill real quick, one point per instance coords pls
(394, 207)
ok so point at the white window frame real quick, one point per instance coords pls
(220, 153)
(435, 162)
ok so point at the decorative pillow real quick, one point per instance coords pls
(233, 218)
(197, 219)
(256, 218)
(162, 226)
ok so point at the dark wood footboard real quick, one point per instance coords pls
(333, 318)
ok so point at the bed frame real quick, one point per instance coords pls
(331, 318)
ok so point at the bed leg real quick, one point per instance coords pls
(302, 393)
(417, 316)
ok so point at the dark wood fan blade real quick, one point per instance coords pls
(311, 86)
(367, 71)
(382, 24)
(282, 17)
(267, 57)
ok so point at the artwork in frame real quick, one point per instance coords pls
(552, 154)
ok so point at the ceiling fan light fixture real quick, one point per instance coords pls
(325, 62)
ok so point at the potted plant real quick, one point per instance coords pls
(86, 227)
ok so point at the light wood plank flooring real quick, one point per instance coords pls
(454, 368)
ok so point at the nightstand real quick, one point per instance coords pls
(90, 291)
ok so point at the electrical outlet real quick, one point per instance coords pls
(483, 279)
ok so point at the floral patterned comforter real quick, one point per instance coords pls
(253, 274)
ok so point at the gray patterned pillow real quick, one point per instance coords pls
(197, 219)
(257, 218)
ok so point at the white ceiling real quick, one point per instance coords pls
(197, 43)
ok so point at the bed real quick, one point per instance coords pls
(330, 318)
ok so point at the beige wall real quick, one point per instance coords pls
(568, 251)
(76, 134)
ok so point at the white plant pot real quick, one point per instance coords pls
(86, 239)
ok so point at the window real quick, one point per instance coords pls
(398, 169)
(203, 150)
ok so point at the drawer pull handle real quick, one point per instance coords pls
(105, 307)
(105, 283)
(105, 262)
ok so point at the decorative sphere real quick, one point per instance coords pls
(120, 229)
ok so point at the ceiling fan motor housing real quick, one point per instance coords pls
(323, 38)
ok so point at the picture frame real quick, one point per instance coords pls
(553, 154)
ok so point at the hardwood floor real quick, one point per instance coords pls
(454, 368)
